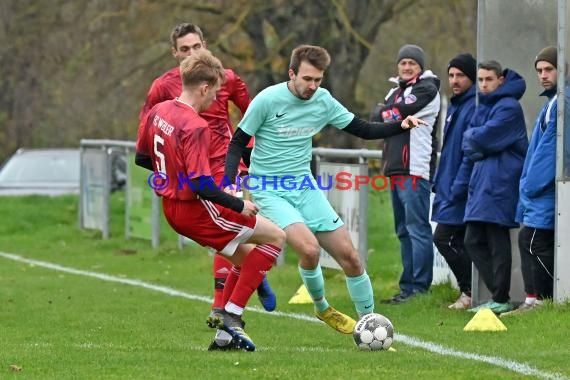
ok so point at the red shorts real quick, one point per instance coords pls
(209, 224)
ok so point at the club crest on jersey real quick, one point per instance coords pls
(410, 99)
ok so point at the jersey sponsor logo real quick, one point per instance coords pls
(278, 115)
(292, 132)
(336, 220)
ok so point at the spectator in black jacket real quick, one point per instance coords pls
(409, 161)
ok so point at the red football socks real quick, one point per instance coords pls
(221, 270)
(254, 268)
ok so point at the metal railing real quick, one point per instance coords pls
(95, 189)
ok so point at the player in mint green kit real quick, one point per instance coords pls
(284, 118)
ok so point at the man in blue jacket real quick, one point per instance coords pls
(536, 198)
(448, 211)
(495, 146)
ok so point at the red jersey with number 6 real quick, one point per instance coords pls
(178, 141)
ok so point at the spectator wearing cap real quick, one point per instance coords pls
(412, 155)
(449, 210)
(537, 194)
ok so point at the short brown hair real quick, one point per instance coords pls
(492, 65)
(183, 29)
(315, 55)
(201, 67)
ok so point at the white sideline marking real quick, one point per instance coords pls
(521, 368)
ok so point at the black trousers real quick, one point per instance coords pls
(489, 247)
(536, 247)
(449, 242)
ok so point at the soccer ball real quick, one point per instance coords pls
(373, 332)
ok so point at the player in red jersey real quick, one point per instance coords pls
(185, 40)
(175, 142)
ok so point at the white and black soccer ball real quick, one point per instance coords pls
(373, 332)
(222, 338)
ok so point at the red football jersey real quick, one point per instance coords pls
(169, 86)
(178, 141)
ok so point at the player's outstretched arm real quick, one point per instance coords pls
(369, 130)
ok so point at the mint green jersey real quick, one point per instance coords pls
(284, 125)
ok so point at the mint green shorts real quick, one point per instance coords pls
(308, 206)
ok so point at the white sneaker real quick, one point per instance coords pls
(463, 302)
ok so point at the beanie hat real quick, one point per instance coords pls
(548, 54)
(467, 64)
(413, 52)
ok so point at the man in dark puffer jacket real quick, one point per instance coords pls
(495, 147)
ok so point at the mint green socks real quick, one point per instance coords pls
(361, 293)
(315, 284)
(359, 288)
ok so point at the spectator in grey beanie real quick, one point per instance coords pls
(413, 52)
(467, 64)
(416, 92)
